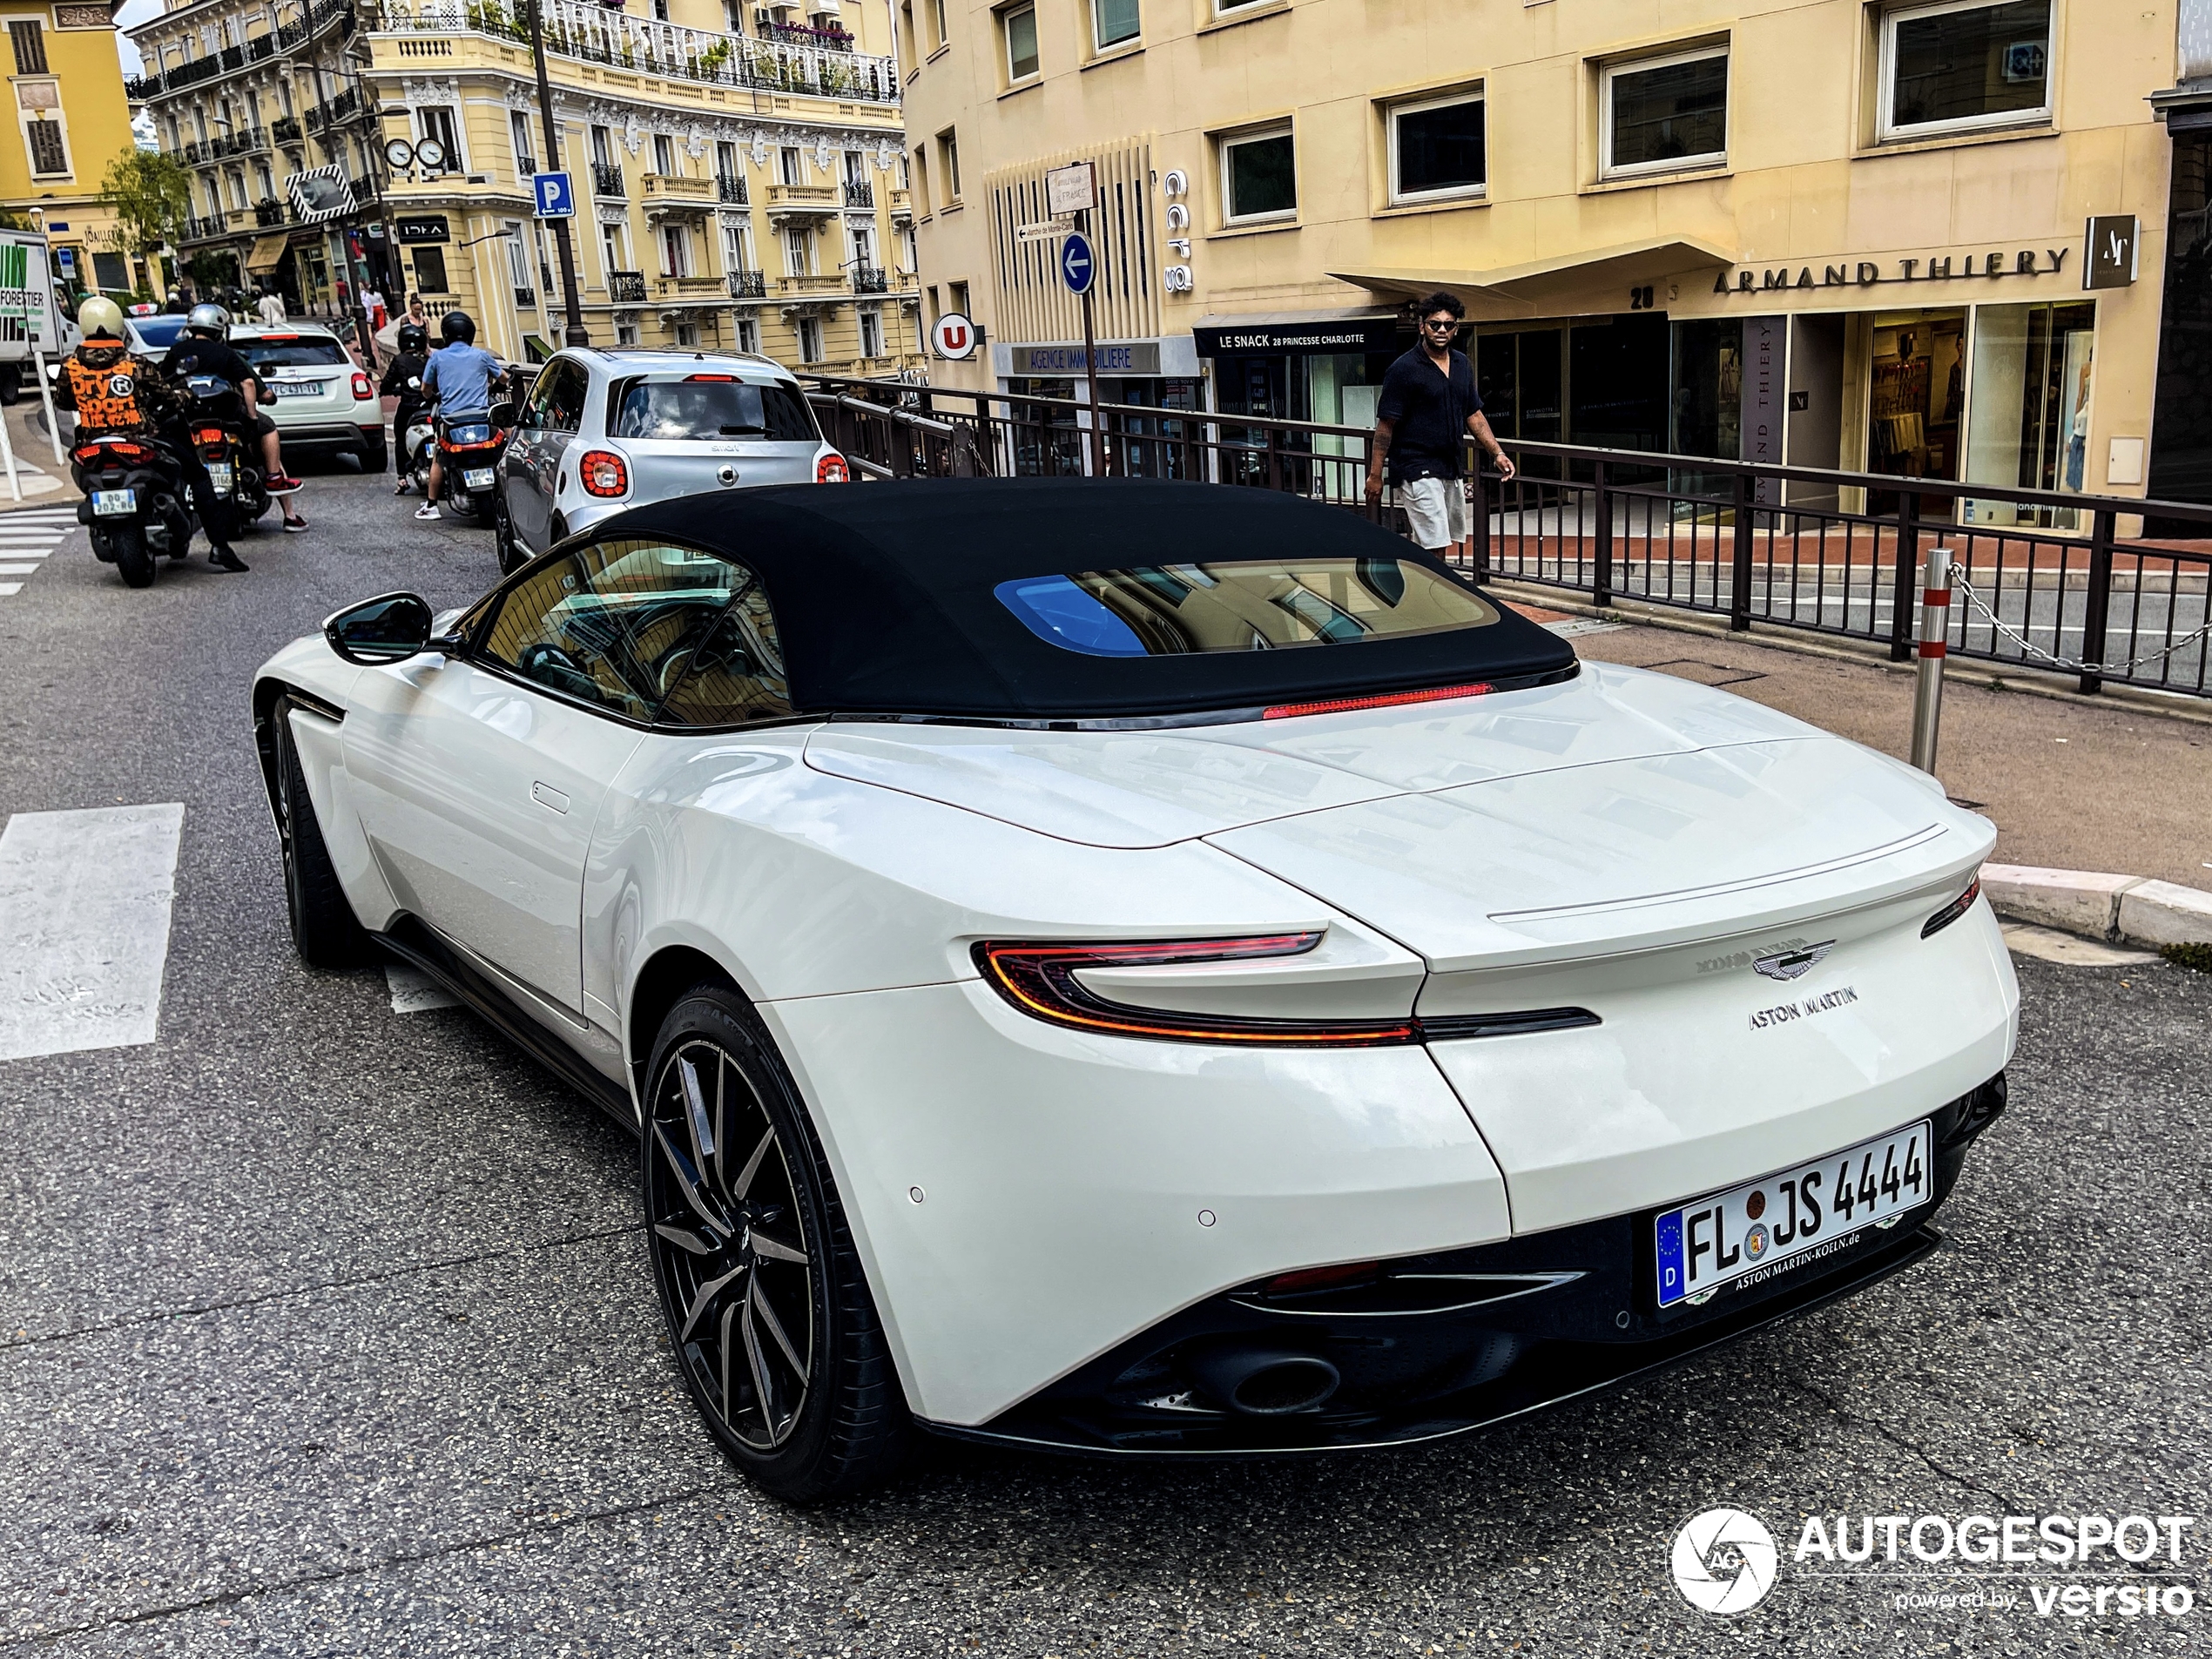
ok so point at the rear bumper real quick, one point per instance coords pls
(330, 434)
(1571, 1313)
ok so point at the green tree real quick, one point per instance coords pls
(151, 195)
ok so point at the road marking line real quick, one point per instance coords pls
(84, 903)
(8, 589)
(18, 569)
(415, 992)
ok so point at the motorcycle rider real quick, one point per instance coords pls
(460, 375)
(110, 391)
(403, 380)
(210, 322)
(205, 348)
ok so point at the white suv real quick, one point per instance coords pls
(321, 400)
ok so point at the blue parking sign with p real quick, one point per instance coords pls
(555, 199)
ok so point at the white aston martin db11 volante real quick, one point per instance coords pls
(1149, 968)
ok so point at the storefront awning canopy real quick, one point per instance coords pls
(1572, 282)
(268, 252)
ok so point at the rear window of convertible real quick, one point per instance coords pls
(1241, 605)
(708, 407)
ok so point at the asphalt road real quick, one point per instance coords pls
(326, 1330)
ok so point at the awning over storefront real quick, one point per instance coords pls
(1543, 288)
(267, 252)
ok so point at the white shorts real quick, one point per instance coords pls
(1436, 511)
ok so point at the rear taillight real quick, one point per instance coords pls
(1345, 704)
(603, 473)
(362, 387)
(86, 454)
(208, 434)
(1951, 912)
(831, 470)
(1040, 980)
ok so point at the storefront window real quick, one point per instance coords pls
(2181, 459)
(1705, 403)
(2030, 420)
(1918, 393)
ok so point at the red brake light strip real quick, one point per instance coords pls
(1392, 699)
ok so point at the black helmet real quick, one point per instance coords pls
(413, 337)
(456, 325)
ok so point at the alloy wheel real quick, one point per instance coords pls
(730, 1245)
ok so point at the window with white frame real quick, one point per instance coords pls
(810, 340)
(798, 252)
(1963, 66)
(1018, 31)
(49, 151)
(792, 166)
(625, 334)
(909, 253)
(1437, 148)
(1666, 114)
(1258, 176)
(1113, 22)
(674, 252)
(871, 334)
(748, 330)
(736, 245)
(518, 128)
(664, 155)
(687, 334)
(436, 121)
(937, 19)
(614, 247)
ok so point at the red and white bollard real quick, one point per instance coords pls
(1935, 632)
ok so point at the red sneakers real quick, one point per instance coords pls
(280, 485)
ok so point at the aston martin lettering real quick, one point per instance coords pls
(1783, 1012)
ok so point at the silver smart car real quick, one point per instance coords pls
(603, 431)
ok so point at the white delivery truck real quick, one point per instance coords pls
(32, 318)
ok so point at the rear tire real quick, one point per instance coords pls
(325, 931)
(767, 1307)
(132, 562)
(376, 458)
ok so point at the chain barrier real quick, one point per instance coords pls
(2032, 650)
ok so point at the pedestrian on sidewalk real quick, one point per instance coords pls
(270, 307)
(1428, 409)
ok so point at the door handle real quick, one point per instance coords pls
(546, 795)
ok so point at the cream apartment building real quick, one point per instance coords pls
(1926, 239)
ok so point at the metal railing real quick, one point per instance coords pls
(748, 284)
(606, 178)
(816, 64)
(286, 129)
(868, 278)
(731, 187)
(268, 212)
(859, 193)
(2052, 580)
(228, 59)
(626, 287)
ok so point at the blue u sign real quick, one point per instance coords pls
(1076, 266)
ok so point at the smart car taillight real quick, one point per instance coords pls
(1040, 980)
(1956, 908)
(831, 470)
(603, 473)
(362, 387)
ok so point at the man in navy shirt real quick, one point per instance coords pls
(1428, 409)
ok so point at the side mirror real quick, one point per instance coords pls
(386, 629)
(503, 414)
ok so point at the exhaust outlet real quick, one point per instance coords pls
(1260, 1382)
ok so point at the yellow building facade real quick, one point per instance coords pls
(737, 174)
(71, 120)
(1932, 238)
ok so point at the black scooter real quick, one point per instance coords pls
(134, 503)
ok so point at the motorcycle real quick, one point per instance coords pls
(134, 503)
(468, 450)
(217, 423)
(415, 443)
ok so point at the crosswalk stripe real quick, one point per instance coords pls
(8, 589)
(18, 569)
(84, 901)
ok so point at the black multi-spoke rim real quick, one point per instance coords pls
(730, 1245)
(287, 832)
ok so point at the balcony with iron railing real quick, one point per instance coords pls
(606, 179)
(799, 34)
(267, 212)
(285, 129)
(859, 193)
(526, 298)
(626, 287)
(731, 187)
(286, 37)
(869, 278)
(815, 65)
(748, 284)
(335, 111)
(200, 226)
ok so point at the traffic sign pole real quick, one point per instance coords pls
(576, 334)
(1090, 380)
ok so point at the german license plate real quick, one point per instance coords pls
(1767, 1226)
(114, 504)
(477, 477)
(299, 388)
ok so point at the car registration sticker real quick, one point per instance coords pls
(1726, 1238)
(114, 504)
(299, 388)
(477, 477)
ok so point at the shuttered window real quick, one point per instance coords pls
(29, 41)
(47, 155)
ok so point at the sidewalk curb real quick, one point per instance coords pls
(2170, 705)
(2119, 909)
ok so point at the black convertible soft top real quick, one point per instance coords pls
(885, 598)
